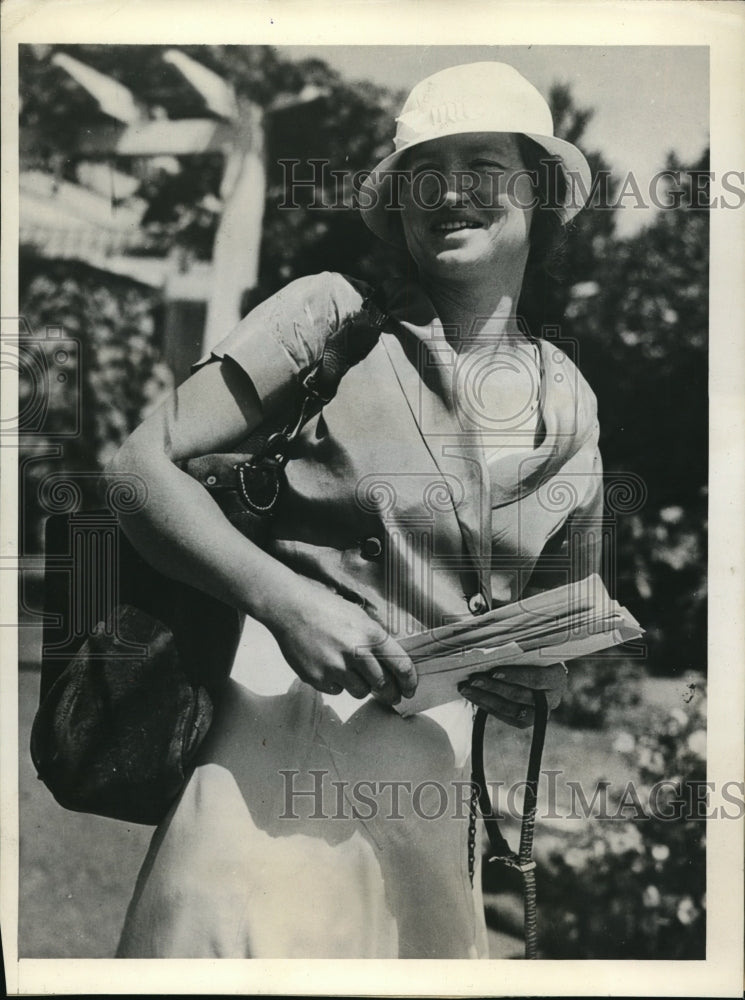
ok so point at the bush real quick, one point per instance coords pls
(635, 888)
(596, 688)
(119, 376)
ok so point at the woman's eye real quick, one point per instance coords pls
(487, 165)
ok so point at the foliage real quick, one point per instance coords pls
(635, 887)
(597, 688)
(644, 341)
(113, 375)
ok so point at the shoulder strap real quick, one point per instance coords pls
(247, 485)
(345, 347)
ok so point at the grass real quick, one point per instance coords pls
(77, 872)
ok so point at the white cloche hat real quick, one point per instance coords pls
(474, 98)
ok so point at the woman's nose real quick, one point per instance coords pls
(441, 188)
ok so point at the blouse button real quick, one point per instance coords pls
(371, 548)
(211, 480)
(477, 604)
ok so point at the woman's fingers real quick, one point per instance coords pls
(508, 692)
(386, 668)
(515, 713)
(379, 681)
(329, 688)
(398, 664)
(513, 692)
(534, 678)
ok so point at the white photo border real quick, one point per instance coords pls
(424, 22)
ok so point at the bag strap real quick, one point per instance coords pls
(345, 347)
(501, 851)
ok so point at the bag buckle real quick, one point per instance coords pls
(513, 861)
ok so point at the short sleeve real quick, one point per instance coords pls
(284, 336)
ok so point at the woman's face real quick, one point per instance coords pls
(467, 208)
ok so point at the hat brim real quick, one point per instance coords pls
(384, 220)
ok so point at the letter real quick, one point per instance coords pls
(316, 793)
(552, 171)
(364, 800)
(697, 801)
(340, 189)
(395, 786)
(364, 197)
(675, 192)
(699, 191)
(416, 188)
(577, 184)
(460, 178)
(512, 181)
(629, 792)
(463, 794)
(340, 800)
(417, 800)
(295, 184)
(740, 192)
(551, 812)
(393, 182)
(630, 181)
(601, 791)
(512, 811)
(654, 805)
(739, 802)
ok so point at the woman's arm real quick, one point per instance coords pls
(329, 642)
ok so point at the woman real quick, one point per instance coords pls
(320, 822)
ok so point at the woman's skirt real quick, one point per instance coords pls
(314, 827)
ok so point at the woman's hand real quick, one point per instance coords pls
(333, 644)
(508, 691)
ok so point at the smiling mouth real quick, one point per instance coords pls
(452, 227)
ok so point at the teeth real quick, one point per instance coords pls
(450, 226)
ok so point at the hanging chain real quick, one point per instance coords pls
(472, 817)
(473, 808)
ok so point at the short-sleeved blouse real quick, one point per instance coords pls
(319, 826)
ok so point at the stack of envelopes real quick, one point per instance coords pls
(555, 625)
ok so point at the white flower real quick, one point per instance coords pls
(598, 848)
(622, 839)
(671, 515)
(660, 852)
(645, 757)
(687, 912)
(676, 721)
(624, 743)
(697, 743)
(575, 858)
(651, 896)
(584, 289)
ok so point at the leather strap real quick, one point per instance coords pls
(501, 851)
(247, 484)
(344, 348)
